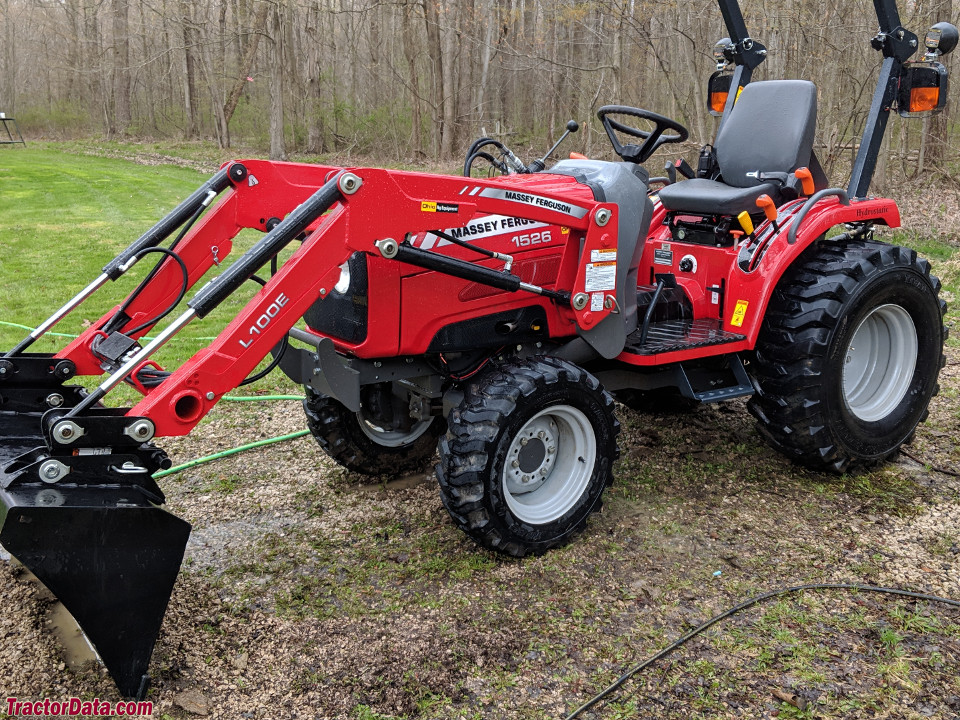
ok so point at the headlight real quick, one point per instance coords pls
(343, 284)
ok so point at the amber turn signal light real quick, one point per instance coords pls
(718, 101)
(923, 99)
(806, 180)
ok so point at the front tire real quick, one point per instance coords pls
(361, 444)
(848, 355)
(527, 455)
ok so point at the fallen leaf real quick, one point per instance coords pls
(791, 698)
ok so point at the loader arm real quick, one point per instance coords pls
(258, 192)
(78, 505)
(354, 223)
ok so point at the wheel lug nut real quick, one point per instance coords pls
(541, 434)
(523, 442)
(551, 450)
(515, 464)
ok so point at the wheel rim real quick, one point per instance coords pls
(549, 464)
(879, 363)
(392, 438)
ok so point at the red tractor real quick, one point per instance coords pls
(495, 315)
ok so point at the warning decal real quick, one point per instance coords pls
(604, 255)
(739, 313)
(600, 277)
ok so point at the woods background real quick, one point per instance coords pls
(419, 79)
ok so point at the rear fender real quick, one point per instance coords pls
(748, 292)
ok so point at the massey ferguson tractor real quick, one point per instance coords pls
(489, 320)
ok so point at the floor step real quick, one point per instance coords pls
(673, 335)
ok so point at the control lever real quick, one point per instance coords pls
(799, 179)
(538, 165)
(671, 170)
(769, 207)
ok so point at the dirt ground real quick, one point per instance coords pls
(308, 592)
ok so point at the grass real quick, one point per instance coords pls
(573, 619)
(947, 258)
(63, 217)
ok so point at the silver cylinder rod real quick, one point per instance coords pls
(44, 327)
(130, 365)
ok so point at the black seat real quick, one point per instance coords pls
(770, 129)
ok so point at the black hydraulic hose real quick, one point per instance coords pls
(163, 229)
(475, 273)
(458, 268)
(120, 316)
(273, 242)
(509, 159)
(616, 684)
(457, 241)
(184, 284)
(468, 163)
(477, 144)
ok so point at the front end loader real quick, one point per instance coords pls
(487, 319)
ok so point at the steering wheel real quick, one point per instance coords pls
(652, 139)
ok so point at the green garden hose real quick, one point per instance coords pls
(228, 453)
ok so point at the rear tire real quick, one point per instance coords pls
(357, 443)
(848, 355)
(527, 455)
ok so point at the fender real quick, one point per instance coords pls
(750, 292)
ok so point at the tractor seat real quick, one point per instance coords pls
(770, 129)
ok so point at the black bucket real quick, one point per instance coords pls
(97, 537)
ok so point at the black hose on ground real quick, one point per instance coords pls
(616, 684)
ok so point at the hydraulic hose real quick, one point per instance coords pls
(228, 453)
(616, 684)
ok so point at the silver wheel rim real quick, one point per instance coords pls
(879, 362)
(549, 464)
(392, 438)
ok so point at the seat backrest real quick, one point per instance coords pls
(770, 129)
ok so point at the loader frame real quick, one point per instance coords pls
(77, 497)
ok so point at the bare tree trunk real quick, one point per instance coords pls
(935, 128)
(278, 148)
(410, 53)
(449, 92)
(189, 70)
(486, 50)
(8, 103)
(216, 96)
(435, 49)
(121, 65)
(315, 124)
(246, 64)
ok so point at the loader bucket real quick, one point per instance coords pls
(102, 546)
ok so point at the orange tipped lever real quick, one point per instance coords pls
(769, 207)
(578, 156)
(806, 180)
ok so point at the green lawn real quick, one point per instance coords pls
(63, 217)
(65, 212)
